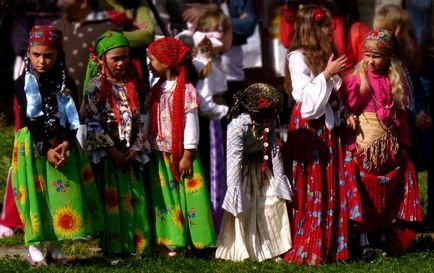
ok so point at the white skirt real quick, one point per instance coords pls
(262, 230)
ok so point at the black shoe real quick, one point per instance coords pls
(368, 254)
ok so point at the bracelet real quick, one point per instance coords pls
(328, 72)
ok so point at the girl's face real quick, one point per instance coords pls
(117, 60)
(326, 27)
(43, 58)
(375, 62)
(157, 68)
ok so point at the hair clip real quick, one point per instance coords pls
(318, 14)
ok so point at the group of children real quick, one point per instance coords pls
(139, 181)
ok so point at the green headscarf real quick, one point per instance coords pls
(107, 41)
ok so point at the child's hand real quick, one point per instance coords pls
(334, 66)
(62, 148)
(423, 121)
(54, 157)
(130, 156)
(116, 155)
(185, 167)
(352, 121)
(244, 15)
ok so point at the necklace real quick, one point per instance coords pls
(376, 103)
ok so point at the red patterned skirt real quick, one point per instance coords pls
(391, 202)
(327, 198)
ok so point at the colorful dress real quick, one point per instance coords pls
(326, 197)
(121, 187)
(386, 177)
(255, 223)
(182, 209)
(54, 204)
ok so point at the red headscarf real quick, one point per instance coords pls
(46, 36)
(171, 52)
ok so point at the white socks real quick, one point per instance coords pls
(54, 249)
(35, 252)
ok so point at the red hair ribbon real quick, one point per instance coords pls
(319, 14)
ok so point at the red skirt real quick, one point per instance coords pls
(390, 202)
(327, 198)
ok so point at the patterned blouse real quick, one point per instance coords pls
(163, 140)
(102, 127)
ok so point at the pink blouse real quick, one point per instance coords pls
(378, 100)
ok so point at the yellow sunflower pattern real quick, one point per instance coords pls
(21, 195)
(39, 183)
(15, 156)
(27, 146)
(128, 203)
(66, 222)
(34, 222)
(139, 241)
(194, 183)
(177, 218)
(87, 175)
(111, 201)
(199, 245)
(160, 181)
(164, 242)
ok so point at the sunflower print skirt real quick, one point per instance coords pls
(182, 209)
(54, 204)
(126, 215)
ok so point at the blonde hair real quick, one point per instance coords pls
(398, 81)
(308, 36)
(397, 20)
(393, 18)
(210, 22)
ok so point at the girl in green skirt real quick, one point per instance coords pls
(180, 198)
(115, 142)
(53, 184)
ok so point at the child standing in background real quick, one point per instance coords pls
(397, 20)
(180, 198)
(115, 142)
(255, 223)
(53, 184)
(378, 95)
(212, 37)
(325, 200)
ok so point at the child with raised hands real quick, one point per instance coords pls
(325, 200)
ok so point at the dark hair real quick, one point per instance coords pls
(192, 74)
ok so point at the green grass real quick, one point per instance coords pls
(6, 142)
(419, 259)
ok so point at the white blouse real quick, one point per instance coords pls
(242, 144)
(312, 91)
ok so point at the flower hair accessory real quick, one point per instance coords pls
(263, 102)
(319, 14)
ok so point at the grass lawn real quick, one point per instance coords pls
(87, 259)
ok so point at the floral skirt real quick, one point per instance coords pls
(262, 230)
(126, 215)
(390, 203)
(181, 209)
(326, 197)
(54, 204)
